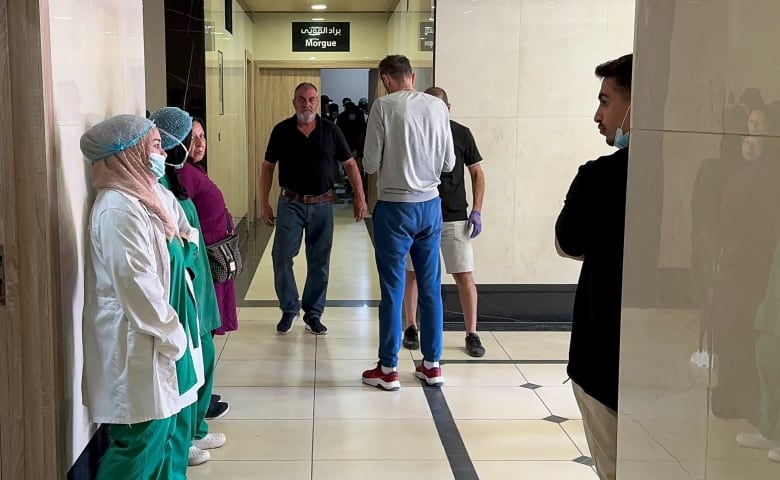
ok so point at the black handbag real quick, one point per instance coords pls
(224, 256)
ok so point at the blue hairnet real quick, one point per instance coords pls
(113, 135)
(174, 125)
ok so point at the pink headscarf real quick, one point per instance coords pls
(127, 171)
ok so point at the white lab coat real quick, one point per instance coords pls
(131, 335)
(179, 217)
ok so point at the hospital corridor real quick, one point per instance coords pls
(299, 411)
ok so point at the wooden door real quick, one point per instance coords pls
(32, 398)
(273, 103)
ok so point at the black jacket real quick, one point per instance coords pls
(592, 224)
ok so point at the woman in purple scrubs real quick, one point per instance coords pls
(214, 218)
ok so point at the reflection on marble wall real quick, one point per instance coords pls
(228, 162)
(97, 61)
(700, 359)
(519, 73)
(404, 34)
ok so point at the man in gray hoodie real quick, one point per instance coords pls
(408, 143)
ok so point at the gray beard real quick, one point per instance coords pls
(305, 117)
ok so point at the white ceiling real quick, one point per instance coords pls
(381, 6)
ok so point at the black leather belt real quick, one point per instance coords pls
(326, 197)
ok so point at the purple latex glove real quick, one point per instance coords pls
(475, 223)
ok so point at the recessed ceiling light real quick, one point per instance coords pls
(318, 19)
(319, 7)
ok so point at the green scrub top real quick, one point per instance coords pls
(182, 252)
(203, 283)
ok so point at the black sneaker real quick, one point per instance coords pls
(215, 398)
(314, 326)
(411, 339)
(218, 410)
(285, 325)
(474, 345)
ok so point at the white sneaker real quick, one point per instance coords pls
(774, 455)
(198, 456)
(756, 440)
(212, 440)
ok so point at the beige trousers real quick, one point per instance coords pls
(600, 424)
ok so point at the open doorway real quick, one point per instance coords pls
(342, 84)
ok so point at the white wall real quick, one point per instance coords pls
(338, 83)
(97, 58)
(519, 73)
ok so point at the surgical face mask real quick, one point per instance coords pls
(621, 139)
(186, 150)
(179, 166)
(157, 164)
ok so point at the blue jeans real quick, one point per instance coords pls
(293, 219)
(413, 228)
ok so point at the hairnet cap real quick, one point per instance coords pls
(174, 125)
(113, 135)
(363, 101)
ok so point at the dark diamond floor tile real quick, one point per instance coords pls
(587, 461)
(556, 419)
(531, 386)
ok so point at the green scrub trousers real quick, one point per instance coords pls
(141, 451)
(208, 311)
(768, 361)
(200, 427)
(183, 303)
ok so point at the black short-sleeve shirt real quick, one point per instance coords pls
(452, 188)
(307, 164)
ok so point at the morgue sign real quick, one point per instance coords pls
(320, 37)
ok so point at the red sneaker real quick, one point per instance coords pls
(432, 376)
(386, 381)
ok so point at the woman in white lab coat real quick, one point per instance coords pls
(132, 337)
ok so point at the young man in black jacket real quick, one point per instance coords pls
(590, 229)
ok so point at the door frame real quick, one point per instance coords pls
(253, 174)
(33, 418)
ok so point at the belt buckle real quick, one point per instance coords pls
(308, 198)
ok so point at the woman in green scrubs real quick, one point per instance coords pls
(176, 127)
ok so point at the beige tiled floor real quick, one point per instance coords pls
(352, 272)
(299, 411)
(516, 440)
(560, 470)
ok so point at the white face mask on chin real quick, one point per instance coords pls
(621, 139)
(186, 150)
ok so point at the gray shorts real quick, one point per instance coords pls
(455, 248)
